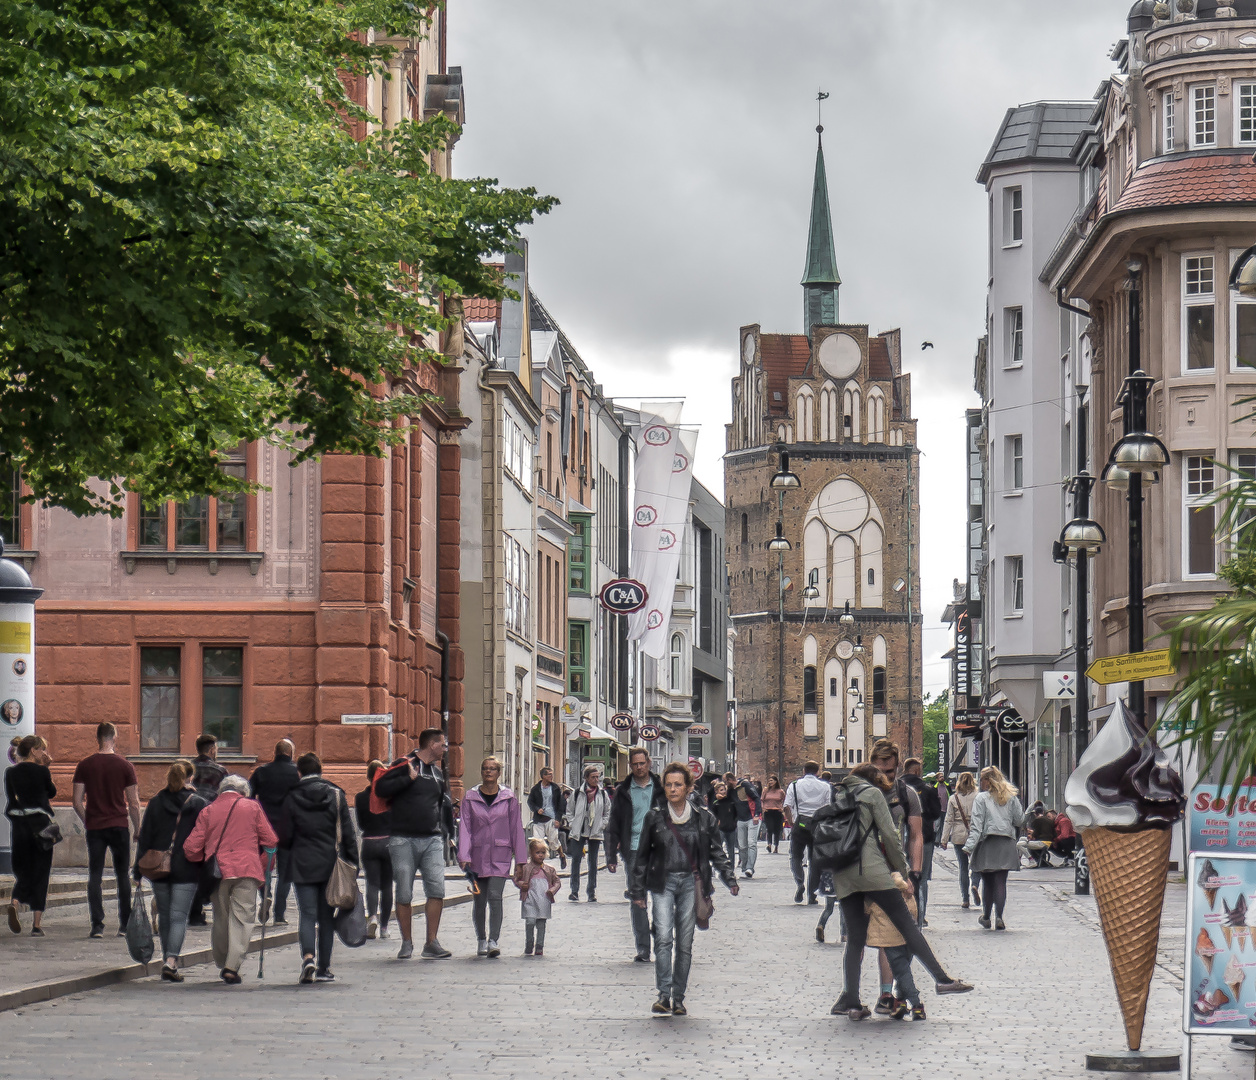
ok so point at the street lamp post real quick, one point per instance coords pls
(782, 481)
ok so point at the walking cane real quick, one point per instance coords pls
(261, 959)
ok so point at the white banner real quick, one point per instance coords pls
(664, 472)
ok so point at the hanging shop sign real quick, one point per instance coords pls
(623, 596)
(1011, 726)
(649, 732)
(622, 721)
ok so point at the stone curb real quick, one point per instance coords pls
(96, 980)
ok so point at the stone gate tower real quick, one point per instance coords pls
(842, 668)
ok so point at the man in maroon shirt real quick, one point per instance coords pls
(106, 793)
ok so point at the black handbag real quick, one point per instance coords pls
(49, 836)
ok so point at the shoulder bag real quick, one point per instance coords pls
(342, 886)
(703, 905)
(212, 870)
(155, 864)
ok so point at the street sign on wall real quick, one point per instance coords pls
(366, 718)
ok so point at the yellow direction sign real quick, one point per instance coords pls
(1132, 667)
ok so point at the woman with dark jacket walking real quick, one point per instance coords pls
(315, 810)
(168, 821)
(680, 843)
(376, 861)
(724, 806)
(870, 878)
(28, 790)
(490, 835)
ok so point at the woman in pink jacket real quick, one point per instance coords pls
(234, 829)
(490, 838)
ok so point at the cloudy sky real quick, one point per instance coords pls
(679, 137)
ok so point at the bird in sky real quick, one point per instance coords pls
(926, 345)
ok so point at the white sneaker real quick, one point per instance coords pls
(493, 951)
(481, 948)
(372, 927)
(384, 935)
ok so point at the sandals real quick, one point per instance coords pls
(169, 974)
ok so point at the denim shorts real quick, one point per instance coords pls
(426, 854)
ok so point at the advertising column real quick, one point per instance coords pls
(17, 671)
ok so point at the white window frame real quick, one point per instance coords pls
(1236, 301)
(1198, 298)
(1015, 459)
(1168, 115)
(1015, 580)
(1244, 90)
(1013, 216)
(1203, 116)
(517, 572)
(1014, 337)
(517, 451)
(1193, 499)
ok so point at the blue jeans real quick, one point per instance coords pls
(961, 857)
(899, 957)
(674, 923)
(748, 844)
(174, 901)
(316, 922)
(640, 917)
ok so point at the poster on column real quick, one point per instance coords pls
(1220, 997)
(17, 670)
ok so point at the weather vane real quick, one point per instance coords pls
(820, 96)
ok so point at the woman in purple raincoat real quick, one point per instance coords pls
(490, 842)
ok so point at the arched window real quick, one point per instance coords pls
(876, 416)
(878, 689)
(678, 661)
(870, 555)
(809, 689)
(843, 570)
(828, 413)
(806, 414)
(815, 550)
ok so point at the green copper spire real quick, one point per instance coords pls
(820, 280)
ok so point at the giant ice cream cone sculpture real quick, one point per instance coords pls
(1123, 798)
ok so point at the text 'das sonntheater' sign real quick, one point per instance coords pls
(1222, 824)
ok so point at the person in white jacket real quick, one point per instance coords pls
(587, 814)
(997, 816)
(959, 816)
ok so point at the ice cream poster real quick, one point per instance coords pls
(1221, 823)
(1221, 956)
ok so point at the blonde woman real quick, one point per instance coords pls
(955, 829)
(997, 815)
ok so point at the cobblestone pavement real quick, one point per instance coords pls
(759, 1001)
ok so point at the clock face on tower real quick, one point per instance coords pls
(839, 356)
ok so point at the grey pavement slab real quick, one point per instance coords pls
(759, 1001)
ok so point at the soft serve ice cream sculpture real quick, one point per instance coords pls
(1124, 798)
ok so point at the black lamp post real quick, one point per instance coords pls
(1138, 455)
(782, 481)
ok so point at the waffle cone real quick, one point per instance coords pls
(1129, 870)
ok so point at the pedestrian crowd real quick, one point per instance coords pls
(244, 846)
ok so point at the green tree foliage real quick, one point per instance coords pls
(1215, 711)
(937, 718)
(195, 251)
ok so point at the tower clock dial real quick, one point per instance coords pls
(840, 356)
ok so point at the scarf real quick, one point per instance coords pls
(680, 819)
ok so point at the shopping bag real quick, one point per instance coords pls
(139, 930)
(350, 923)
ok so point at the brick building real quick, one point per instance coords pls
(822, 682)
(333, 590)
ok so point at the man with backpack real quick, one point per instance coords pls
(930, 812)
(802, 799)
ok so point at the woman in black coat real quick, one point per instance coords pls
(28, 788)
(168, 820)
(376, 829)
(312, 810)
(724, 807)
